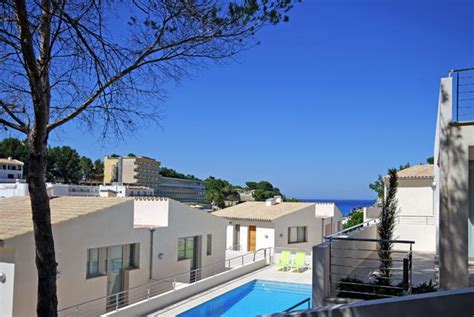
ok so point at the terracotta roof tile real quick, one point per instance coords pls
(256, 210)
(15, 212)
(417, 171)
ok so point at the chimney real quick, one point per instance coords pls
(270, 202)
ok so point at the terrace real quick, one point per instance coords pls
(347, 267)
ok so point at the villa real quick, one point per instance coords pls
(10, 170)
(416, 216)
(105, 246)
(279, 225)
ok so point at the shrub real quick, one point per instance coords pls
(425, 287)
(356, 217)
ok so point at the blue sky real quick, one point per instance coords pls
(321, 107)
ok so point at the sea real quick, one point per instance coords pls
(344, 205)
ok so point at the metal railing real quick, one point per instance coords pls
(304, 301)
(359, 226)
(354, 268)
(235, 247)
(154, 288)
(415, 220)
(463, 94)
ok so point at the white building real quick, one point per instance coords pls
(454, 180)
(125, 191)
(415, 218)
(281, 225)
(10, 170)
(103, 246)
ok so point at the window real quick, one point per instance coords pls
(96, 262)
(186, 247)
(297, 235)
(209, 244)
(132, 255)
(181, 249)
(126, 256)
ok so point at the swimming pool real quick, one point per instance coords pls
(254, 298)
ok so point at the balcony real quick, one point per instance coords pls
(346, 267)
(463, 96)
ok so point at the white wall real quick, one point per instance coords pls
(415, 197)
(151, 212)
(415, 219)
(265, 238)
(13, 189)
(304, 218)
(185, 221)
(424, 235)
(265, 235)
(230, 237)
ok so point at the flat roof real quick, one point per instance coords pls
(15, 212)
(259, 211)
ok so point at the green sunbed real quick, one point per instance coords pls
(284, 262)
(299, 264)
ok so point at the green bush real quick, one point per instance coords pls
(425, 287)
(355, 217)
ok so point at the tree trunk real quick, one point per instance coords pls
(45, 255)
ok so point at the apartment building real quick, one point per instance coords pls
(144, 171)
(104, 246)
(10, 170)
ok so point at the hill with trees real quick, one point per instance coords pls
(66, 165)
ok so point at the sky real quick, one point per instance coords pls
(326, 102)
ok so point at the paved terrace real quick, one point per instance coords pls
(269, 273)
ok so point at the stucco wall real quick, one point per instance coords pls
(452, 178)
(151, 212)
(415, 197)
(415, 218)
(265, 235)
(185, 221)
(303, 217)
(6, 288)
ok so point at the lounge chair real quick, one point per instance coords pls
(284, 262)
(299, 263)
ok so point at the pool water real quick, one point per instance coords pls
(254, 298)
